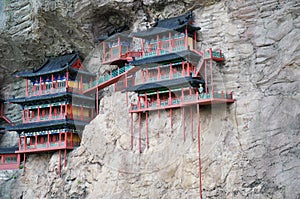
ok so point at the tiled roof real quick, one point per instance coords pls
(186, 55)
(47, 125)
(193, 81)
(8, 150)
(175, 23)
(54, 65)
(55, 96)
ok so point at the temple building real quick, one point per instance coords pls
(8, 158)
(174, 74)
(117, 53)
(54, 109)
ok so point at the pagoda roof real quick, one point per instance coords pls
(54, 65)
(47, 125)
(171, 24)
(193, 81)
(55, 96)
(8, 150)
(117, 32)
(186, 54)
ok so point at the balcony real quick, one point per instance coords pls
(48, 146)
(176, 102)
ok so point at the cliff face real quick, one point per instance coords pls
(249, 149)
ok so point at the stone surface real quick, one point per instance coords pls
(249, 149)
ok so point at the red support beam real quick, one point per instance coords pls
(97, 104)
(40, 89)
(131, 131)
(205, 74)
(170, 42)
(59, 163)
(211, 78)
(186, 38)
(171, 121)
(192, 123)
(195, 40)
(65, 158)
(24, 162)
(140, 132)
(184, 130)
(147, 136)
(199, 151)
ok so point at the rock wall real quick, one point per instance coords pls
(249, 149)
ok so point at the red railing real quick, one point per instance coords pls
(183, 100)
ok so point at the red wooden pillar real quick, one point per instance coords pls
(40, 89)
(147, 74)
(67, 80)
(52, 84)
(158, 73)
(147, 133)
(211, 78)
(61, 111)
(65, 158)
(131, 131)
(97, 104)
(171, 71)
(182, 71)
(48, 140)
(50, 112)
(140, 132)
(59, 163)
(171, 121)
(184, 130)
(205, 74)
(158, 46)
(38, 114)
(24, 161)
(18, 159)
(66, 110)
(126, 85)
(59, 142)
(170, 42)
(27, 87)
(199, 151)
(81, 84)
(158, 102)
(23, 116)
(192, 123)
(72, 143)
(195, 40)
(143, 50)
(35, 143)
(186, 38)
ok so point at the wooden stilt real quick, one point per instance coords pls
(59, 163)
(147, 136)
(199, 150)
(171, 121)
(192, 123)
(184, 130)
(140, 132)
(131, 131)
(24, 161)
(65, 158)
(97, 101)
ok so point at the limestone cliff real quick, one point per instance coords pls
(249, 149)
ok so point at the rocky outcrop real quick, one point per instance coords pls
(249, 149)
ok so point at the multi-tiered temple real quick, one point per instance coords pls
(54, 109)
